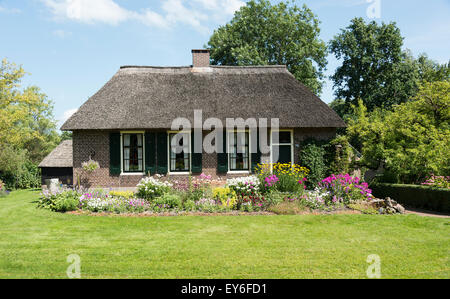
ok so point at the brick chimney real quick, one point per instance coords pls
(200, 58)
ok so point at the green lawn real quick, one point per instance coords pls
(35, 243)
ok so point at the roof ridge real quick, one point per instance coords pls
(212, 66)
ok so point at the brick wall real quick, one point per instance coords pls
(200, 58)
(95, 144)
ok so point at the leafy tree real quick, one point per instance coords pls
(431, 71)
(27, 128)
(374, 67)
(26, 116)
(66, 135)
(412, 140)
(264, 34)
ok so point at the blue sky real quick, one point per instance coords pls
(73, 47)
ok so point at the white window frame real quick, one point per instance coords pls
(249, 152)
(291, 144)
(121, 152)
(168, 154)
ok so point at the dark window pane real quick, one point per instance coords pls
(179, 160)
(133, 153)
(283, 152)
(239, 150)
(283, 137)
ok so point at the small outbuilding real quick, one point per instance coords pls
(59, 164)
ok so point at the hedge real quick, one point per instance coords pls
(415, 196)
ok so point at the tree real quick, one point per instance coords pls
(374, 67)
(66, 135)
(431, 71)
(26, 116)
(412, 140)
(27, 128)
(264, 34)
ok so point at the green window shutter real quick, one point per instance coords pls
(222, 158)
(150, 153)
(256, 156)
(161, 153)
(114, 154)
(196, 157)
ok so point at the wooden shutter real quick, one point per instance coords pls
(256, 157)
(114, 154)
(161, 153)
(222, 158)
(150, 153)
(196, 157)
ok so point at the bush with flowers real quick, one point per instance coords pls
(283, 177)
(244, 186)
(438, 181)
(226, 196)
(345, 189)
(152, 187)
(60, 200)
(98, 201)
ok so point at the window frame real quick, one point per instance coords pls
(249, 151)
(182, 172)
(122, 171)
(278, 144)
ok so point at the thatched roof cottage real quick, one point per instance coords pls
(58, 164)
(126, 126)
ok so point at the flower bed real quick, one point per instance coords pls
(281, 187)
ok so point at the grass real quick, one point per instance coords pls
(35, 243)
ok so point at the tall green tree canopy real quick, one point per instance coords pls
(412, 140)
(264, 34)
(374, 67)
(26, 115)
(431, 71)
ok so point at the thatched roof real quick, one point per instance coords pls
(151, 97)
(61, 156)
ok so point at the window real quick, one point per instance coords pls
(179, 155)
(283, 148)
(133, 153)
(238, 149)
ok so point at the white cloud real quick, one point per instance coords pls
(61, 33)
(194, 13)
(67, 114)
(228, 6)
(176, 12)
(88, 11)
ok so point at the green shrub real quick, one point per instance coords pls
(415, 196)
(312, 156)
(67, 204)
(340, 155)
(168, 201)
(189, 205)
(59, 201)
(275, 197)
